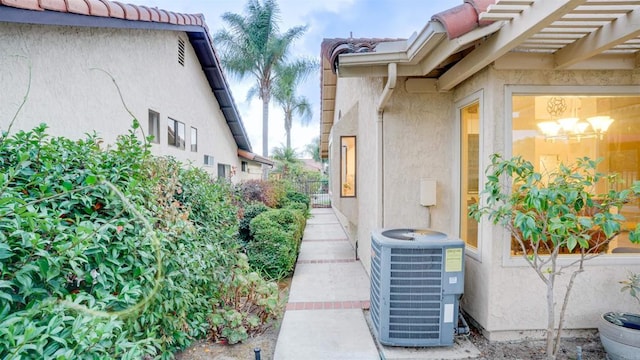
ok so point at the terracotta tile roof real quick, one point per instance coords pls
(255, 157)
(332, 48)
(461, 19)
(457, 21)
(106, 8)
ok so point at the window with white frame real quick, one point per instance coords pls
(553, 127)
(194, 139)
(154, 126)
(469, 118)
(175, 133)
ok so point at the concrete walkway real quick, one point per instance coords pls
(324, 318)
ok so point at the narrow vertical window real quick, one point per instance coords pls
(348, 166)
(194, 139)
(245, 166)
(154, 126)
(469, 170)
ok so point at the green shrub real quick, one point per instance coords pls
(116, 254)
(295, 196)
(276, 238)
(250, 211)
(297, 200)
(258, 190)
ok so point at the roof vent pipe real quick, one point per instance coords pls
(389, 87)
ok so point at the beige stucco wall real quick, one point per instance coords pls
(73, 99)
(355, 114)
(504, 296)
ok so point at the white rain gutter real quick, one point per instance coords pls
(388, 88)
(382, 103)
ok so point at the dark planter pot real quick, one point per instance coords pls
(620, 335)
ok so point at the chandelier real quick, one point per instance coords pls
(572, 127)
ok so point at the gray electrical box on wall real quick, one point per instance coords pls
(427, 192)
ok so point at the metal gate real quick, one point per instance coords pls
(317, 190)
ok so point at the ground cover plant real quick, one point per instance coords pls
(114, 253)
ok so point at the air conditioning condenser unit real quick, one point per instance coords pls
(417, 279)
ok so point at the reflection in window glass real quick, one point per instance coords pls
(348, 166)
(171, 132)
(552, 129)
(180, 131)
(154, 126)
(194, 139)
(175, 133)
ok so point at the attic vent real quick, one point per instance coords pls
(181, 52)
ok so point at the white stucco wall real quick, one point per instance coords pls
(420, 140)
(73, 99)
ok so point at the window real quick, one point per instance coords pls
(175, 133)
(154, 126)
(224, 171)
(348, 166)
(208, 160)
(194, 139)
(553, 128)
(469, 170)
(245, 166)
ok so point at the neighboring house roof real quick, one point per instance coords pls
(114, 14)
(458, 42)
(311, 164)
(255, 157)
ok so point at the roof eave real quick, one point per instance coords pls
(375, 63)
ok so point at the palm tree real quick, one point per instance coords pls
(289, 77)
(313, 148)
(286, 160)
(252, 45)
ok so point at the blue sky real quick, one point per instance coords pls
(326, 19)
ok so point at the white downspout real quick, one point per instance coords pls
(382, 102)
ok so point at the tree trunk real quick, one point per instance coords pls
(550, 317)
(265, 126)
(287, 128)
(265, 133)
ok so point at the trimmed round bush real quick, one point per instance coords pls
(276, 238)
(250, 211)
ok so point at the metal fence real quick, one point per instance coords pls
(317, 190)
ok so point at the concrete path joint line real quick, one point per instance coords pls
(328, 305)
(326, 261)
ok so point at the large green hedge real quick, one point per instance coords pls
(276, 236)
(117, 254)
